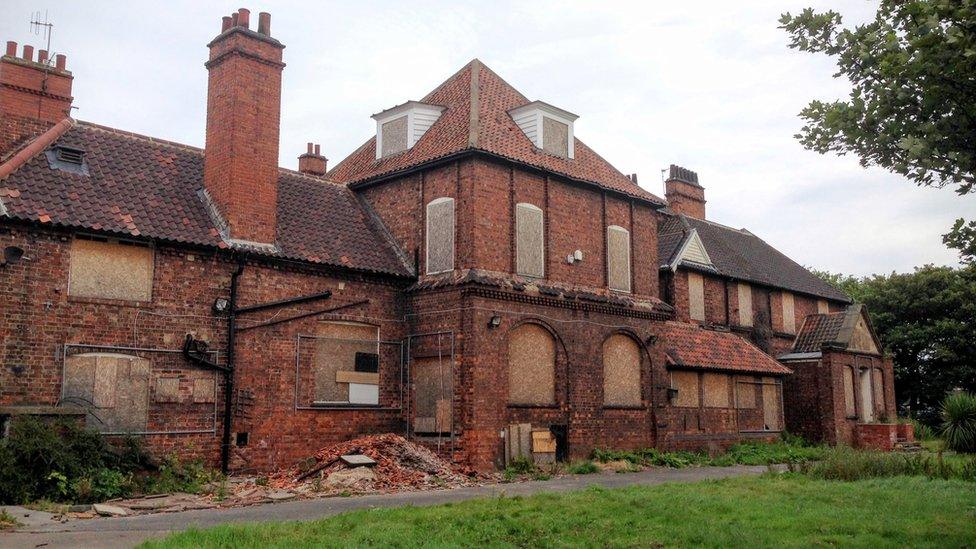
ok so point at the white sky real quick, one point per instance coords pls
(710, 86)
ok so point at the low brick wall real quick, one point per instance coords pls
(906, 432)
(876, 436)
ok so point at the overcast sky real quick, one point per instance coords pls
(710, 86)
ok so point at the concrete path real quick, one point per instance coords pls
(130, 531)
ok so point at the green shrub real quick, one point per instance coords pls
(847, 464)
(959, 422)
(175, 475)
(519, 466)
(922, 430)
(582, 468)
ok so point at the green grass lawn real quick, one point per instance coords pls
(788, 510)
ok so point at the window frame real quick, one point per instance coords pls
(427, 231)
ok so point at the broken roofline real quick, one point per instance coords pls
(476, 152)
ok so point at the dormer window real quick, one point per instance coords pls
(549, 128)
(399, 128)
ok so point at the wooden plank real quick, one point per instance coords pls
(365, 378)
(543, 442)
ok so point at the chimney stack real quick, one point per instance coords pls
(312, 162)
(243, 116)
(684, 194)
(33, 94)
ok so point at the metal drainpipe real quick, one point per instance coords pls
(229, 384)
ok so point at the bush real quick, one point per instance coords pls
(959, 422)
(922, 430)
(582, 468)
(849, 465)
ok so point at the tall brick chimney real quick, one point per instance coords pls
(35, 94)
(684, 194)
(243, 114)
(312, 162)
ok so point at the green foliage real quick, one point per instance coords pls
(7, 521)
(582, 468)
(792, 449)
(64, 462)
(518, 467)
(912, 105)
(927, 320)
(768, 511)
(922, 431)
(647, 457)
(844, 463)
(959, 422)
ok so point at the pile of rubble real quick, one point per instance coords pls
(372, 463)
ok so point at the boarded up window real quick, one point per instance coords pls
(621, 372)
(878, 388)
(849, 406)
(531, 366)
(745, 393)
(867, 398)
(822, 306)
(618, 258)
(716, 390)
(440, 235)
(529, 244)
(687, 385)
(114, 388)
(394, 136)
(433, 387)
(346, 363)
(772, 414)
(555, 137)
(745, 304)
(110, 270)
(789, 313)
(696, 296)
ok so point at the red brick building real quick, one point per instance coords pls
(473, 266)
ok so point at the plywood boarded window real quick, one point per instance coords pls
(850, 408)
(394, 136)
(822, 306)
(687, 385)
(867, 398)
(696, 296)
(878, 387)
(346, 363)
(715, 388)
(745, 304)
(113, 387)
(440, 235)
(789, 313)
(745, 393)
(618, 258)
(110, 269)
(531, 365)
(772, 413)
(432, 387)
(621, 371)
(529, 241)
(555, 137)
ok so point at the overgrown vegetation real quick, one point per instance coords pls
(767, 511)
(959, 422)
(7, 521)
(586, 467)
(60, 461)
(846, 464)
(789, 450)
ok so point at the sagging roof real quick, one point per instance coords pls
(476, 117)
(738, 254)
(690, 346)
(846, 330)
(138, 186)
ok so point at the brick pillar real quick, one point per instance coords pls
(35, 94)
(243, 118)
(684, 194)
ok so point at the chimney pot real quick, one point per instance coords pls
(244, 17)
(11, 48)
(225, 23)
(233, 19)
(60, 61)
(28, 52)
(42, 56)
(309, 147)
(317, 153)
(264, 23)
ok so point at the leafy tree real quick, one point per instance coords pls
(912, 106)
(927, 320)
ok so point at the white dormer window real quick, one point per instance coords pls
(399, 128)
(549, 128)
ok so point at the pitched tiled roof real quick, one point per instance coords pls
(690, 346)
(486, 126)
(739, 254)
(818, 329)
(143, 187)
